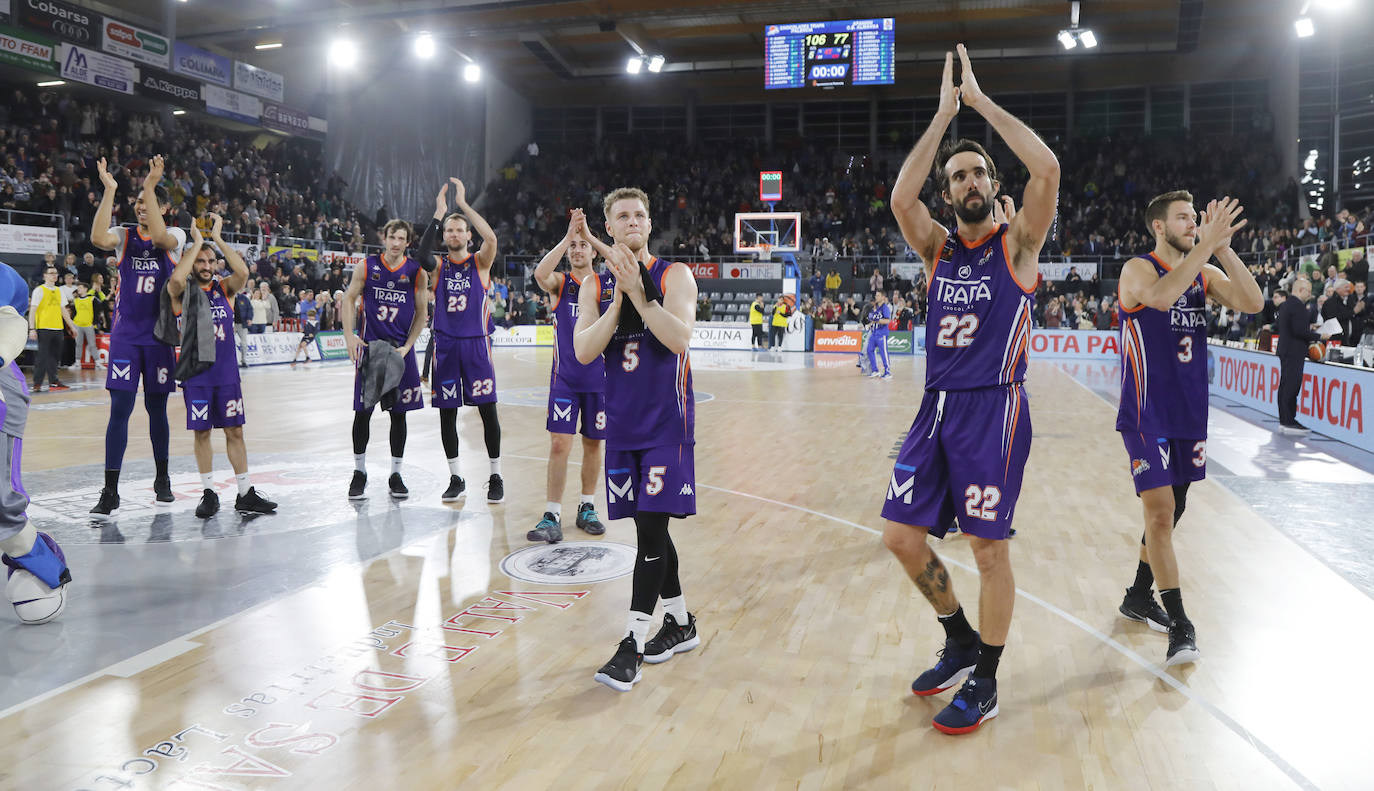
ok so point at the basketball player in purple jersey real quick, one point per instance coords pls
(214, 398)
(144, 265)
(642, 328)
(392, 287)
(967, 448)
(463, 369)
(1163, 413)
(574, 389)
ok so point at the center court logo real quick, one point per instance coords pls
(570, 562)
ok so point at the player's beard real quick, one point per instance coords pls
(973, 216)
(1176, 242)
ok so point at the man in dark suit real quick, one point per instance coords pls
(1295, 333)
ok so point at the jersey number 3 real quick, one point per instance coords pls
(957, 331)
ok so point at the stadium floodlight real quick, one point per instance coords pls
(633, 65)
(1304, 27)
(178, 112)
(656, 63)
(424, 45)
(51, 83)
(343, 53)
(1087, 38)
(1066, 38)
(268, 45)
(472, 72)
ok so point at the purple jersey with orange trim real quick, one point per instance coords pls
(579, 378)
(1164, 365)
(461, 309)
(979, 318)
(649, 399)
(389, 299)
(143, 271)
(225, 371)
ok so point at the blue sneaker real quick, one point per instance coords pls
(549, 529)
(974, 702)
(955, 663)
(45, 561)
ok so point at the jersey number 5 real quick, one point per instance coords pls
(957, 331)
(631, 360)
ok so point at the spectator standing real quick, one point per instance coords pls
(756, 339)
(243, 317)
(832, 285)
(83, 323)
(47, 315)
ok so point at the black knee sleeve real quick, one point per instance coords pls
(491, 429)
(1180, 501)
(448, 431)
(398, 434)
(651, 562)
(362, 431)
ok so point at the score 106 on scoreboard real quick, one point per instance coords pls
(829, 54)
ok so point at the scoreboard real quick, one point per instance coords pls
(829, 54)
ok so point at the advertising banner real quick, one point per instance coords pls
(232, 104)
(281, 254)
(331, 345)
(278, 347)
(522, 335)
(202, 65)
(752, 271)
(839, 340)
(97, 68)
(168, 87)
(29, 50)
(1333, 399)
(1059, 270)
(349, 260)
(30, 239)
(721, 335)
(1095, 344)
(135, 43)
(705, 270)
(285, 119)
(66, 21)
(908, 270)
(900, 342)
(259, 82)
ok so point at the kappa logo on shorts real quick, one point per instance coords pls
(686, 489)
(1138, 466)
(624, 491)
(562, 413)
(120, 371)
(904, 490)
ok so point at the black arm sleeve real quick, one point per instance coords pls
(425, 253)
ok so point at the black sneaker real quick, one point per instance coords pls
(622, 672)
(496, 490)
(673, 638)
(975, 702)
(549, 529)
(108, 504)
(587, 521)
(955, 663)
(253, 503)
(209, 504)
(1182, 644)
(1144, 609)
(454, 492)
(162, 490)
(398, 489)
(357, 488)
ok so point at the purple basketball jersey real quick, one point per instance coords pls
(143, 271)
(979, 320)
(1164, 365)
(460, 299)
(389, 300)
(579, 378)
(225, 371)
(649, 400)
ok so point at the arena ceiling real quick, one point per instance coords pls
(547, 49)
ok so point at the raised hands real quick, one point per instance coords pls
(1003, 209)
(155, 167)
(625, 267)
(577, 224)
(216, 225)
(969, 91)
(949, 95)
(441, 202)
(1219, 223)
(105, 177)
(459, 192)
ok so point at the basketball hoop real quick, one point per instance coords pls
(765, 252)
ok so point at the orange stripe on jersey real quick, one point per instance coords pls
(389, 268)
(1015, 394)
(1006, 255)
(1134, 351)
(981, 240)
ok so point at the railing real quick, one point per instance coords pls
(50, 221)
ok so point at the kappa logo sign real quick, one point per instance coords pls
(686, 489)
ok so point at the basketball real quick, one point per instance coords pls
(34, 601)
(1316, 351)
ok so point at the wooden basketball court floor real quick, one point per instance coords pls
(382, 646)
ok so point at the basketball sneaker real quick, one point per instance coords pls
(454, 492)
(549, 529)
(673, 638)
(57, 386)
(162, 491)
(209, 504)
(250, 502)
(108, 504)
(1144, 609)
(357, 488)
(974, 702)
(887, 375)
(622, 672)
(1182, 644)
(397, 487)
(955, 663)
(496, 489)
(587, 521)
